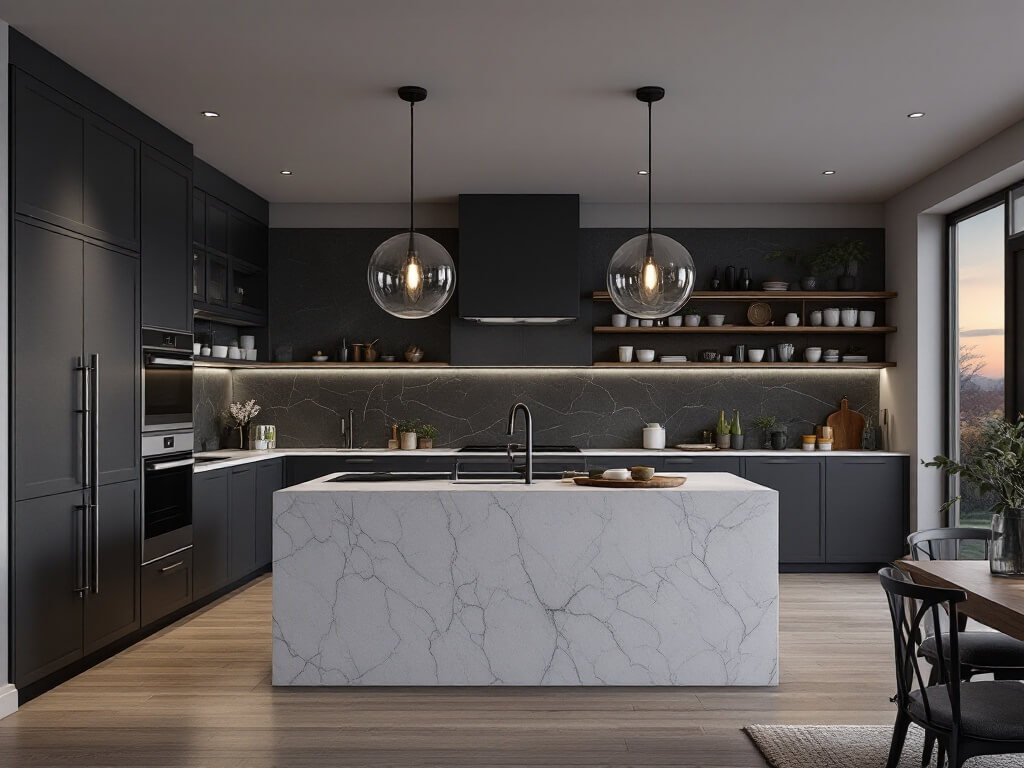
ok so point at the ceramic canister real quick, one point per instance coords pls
(654, 437)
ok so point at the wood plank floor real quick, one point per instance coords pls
(199, 694)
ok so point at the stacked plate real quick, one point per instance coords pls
(673, 358)
(775, 285)
(831, 356)
(855, 358)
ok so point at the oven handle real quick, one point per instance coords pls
(176, 361)
(170, 465)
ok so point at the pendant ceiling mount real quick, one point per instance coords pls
(411, 275)
(650, 276)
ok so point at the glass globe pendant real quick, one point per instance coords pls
(650, 276)
(411, 275)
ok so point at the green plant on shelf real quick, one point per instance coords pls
(408, 425)
(427, 431)
(766, 424)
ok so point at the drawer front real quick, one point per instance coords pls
(729, 464)
(166, 586)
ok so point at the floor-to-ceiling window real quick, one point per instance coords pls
(978, 238)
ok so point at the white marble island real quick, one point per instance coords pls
(440, 583)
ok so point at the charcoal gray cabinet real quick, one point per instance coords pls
(216, 225)
(210, 499)
(72, 299)
(242, 522)
(801, 485)
(866, 506)
(166, 585)
(269, 478)
(166, 242)
(302, 469)
(729, 464)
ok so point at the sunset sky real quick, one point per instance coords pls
(980, 247)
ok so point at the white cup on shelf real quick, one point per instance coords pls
(646, 323)
(619, 321)
(675, 321)
(220, 350)
(250, 354)
(831, 317)
(867, 318)
(691, 320)
(716, 320)
(848, 317)
(247, 342)
(792, 319)
(625, 354)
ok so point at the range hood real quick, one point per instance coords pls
(519, 259)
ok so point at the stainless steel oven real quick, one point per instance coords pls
(166, 494)
(167, 381)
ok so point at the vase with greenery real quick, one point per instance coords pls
(844, 257)
(765, 424)
(427, 433)
(243, 414)
(736, 432)
(407, 434)
(722, 430)
(997, 470)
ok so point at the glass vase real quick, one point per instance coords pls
(1006, 555)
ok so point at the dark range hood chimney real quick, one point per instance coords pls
(519, 259)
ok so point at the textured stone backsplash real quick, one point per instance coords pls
(591, 408)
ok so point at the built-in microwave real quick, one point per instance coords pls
(167, 381)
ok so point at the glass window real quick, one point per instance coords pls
(979, 273)
(1017, 210)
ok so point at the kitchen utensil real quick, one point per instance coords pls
(691, 321)
(739, 353)
(625, 354)
(815, 317)
(654, 437)
(716, 320)
(646, 323)
(848, 317)
(785, 352)
(847, 427)
(250, 354)
(219, 350)
(645, 355)
(619, 321)
(830, 316)
(759, 313)
(675, 321)
(615, 474)
(642, 474)
(792, 319)
(866, 318)
(247, 342)
(654, 482)
(812, 354)
(755, 355)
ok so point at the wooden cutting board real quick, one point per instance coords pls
(847, 428)
(654, 482)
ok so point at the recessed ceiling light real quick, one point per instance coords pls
(642, 172)
(828, 173)
(209, 113)
(286, 173)
(915, 115)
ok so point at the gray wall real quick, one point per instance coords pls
(586, 407)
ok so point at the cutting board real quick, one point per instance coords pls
(654, 482)
(847, 428)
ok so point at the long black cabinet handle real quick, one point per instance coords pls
(172, 566)
(94, 474)
(358, 461)
(82, 368)
(82, 585)
(864, 461)
(678, 460)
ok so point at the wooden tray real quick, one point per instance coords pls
(654, 482)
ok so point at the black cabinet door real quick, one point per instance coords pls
(112, 331)
(166, 243)
(49, 575)
(729, 464)
(111, 183)
(216, 225)
(800, 483)
(166, 586)
(198, 274)
(209, 531)
(47, 296)
(242, 522)
(198, 216)
(112, 611)
(48, 153)
(269, 478)
(865, 509)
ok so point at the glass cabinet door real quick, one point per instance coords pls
(216, 280)
(198, 274)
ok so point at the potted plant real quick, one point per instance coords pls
(844, 257)
(997, 470)
(765, 424)
(243, 414)
(722, 439)
(407, 436)
(427, 433)
(736, 432)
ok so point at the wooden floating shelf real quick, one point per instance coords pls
(201, 363)
(750, 366)
(702, 329)
(778, 295)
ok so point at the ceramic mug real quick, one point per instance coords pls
(792, 319)
(619, 321)
(831, 317)
(716, 320)
(867, 318)
(815, 318)
(692, 321)
(634, 322)
(625, 354)
(848, 317)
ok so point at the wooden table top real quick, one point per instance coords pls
(995, 601)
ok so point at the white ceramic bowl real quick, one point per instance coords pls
(616, 474)
(692, 321)
(812, 354)
(219, 350)
(867, 318)
(716, 320)
(675, 321)
(755, 355)
(645, 355)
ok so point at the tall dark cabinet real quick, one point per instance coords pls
(166, 242)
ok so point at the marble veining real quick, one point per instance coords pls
(441, 584)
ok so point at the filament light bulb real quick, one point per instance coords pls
(412, 271)
(650, 276)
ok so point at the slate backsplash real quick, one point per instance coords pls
(586, 407)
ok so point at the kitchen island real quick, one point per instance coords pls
(434, 582)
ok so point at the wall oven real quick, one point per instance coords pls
(167, 381)
(166, 494)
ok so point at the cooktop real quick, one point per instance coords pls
(536, 449)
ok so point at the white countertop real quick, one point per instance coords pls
(231, 458)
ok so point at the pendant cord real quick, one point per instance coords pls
(412, 164)
(650, 170)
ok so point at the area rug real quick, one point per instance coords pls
(849, 746)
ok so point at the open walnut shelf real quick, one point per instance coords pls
(778, 296)
(750, 366)
(702, 329)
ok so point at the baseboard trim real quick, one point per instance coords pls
(8, 700)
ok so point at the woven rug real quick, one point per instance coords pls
(849, 746)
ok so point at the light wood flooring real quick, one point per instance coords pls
(199, 694)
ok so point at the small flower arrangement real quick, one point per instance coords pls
(243, 414)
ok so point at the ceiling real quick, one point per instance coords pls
(536, 95)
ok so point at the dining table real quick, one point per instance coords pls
(995, 601)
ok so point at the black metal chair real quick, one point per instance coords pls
(967, 719)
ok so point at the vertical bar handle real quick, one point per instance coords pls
(86, 426)
(82, 575)
(94, 474)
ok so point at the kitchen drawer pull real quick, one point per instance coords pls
(864, 461)
(781, 461)
(678, 460)
(358, 461)
(172, 566)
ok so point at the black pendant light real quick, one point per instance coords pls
(650, 276)
(411, 275)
